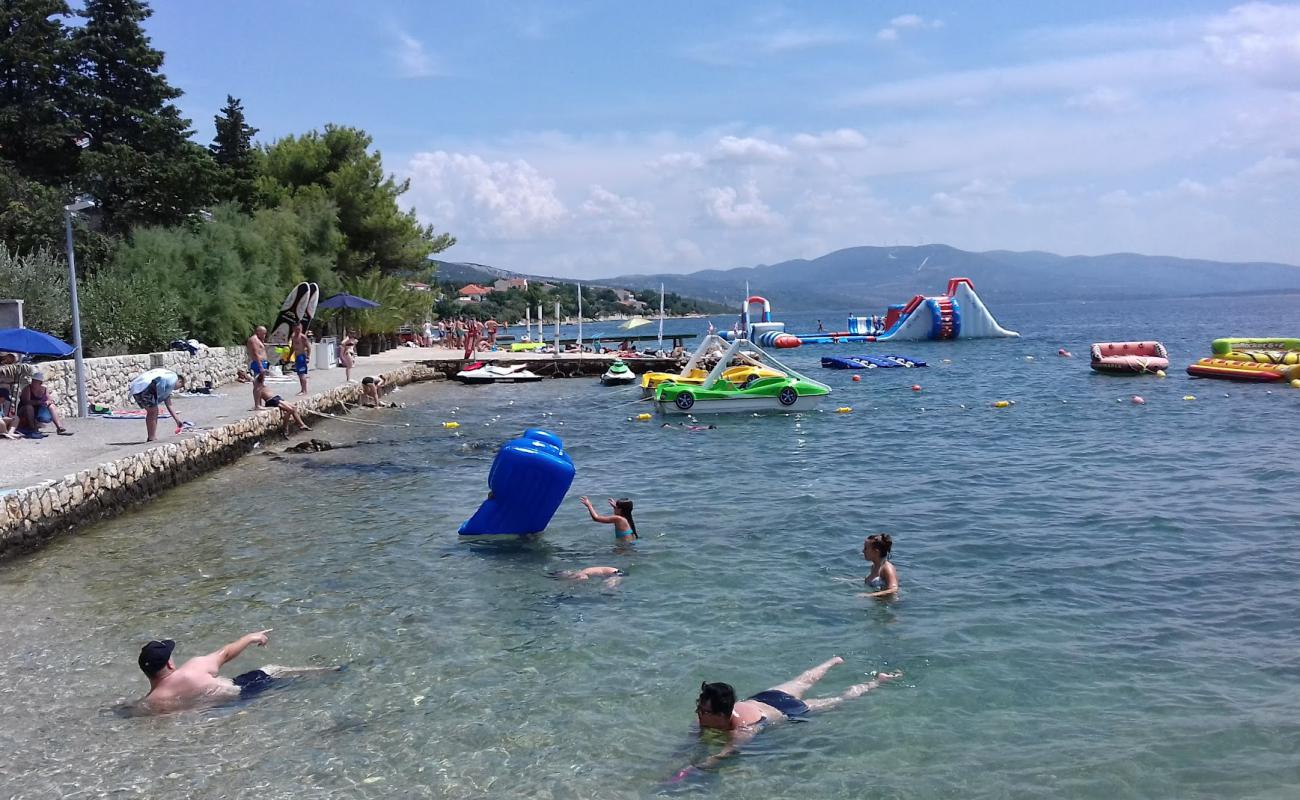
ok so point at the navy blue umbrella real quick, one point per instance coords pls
(34, 343)
(346, 300)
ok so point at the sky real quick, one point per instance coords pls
(589, 139)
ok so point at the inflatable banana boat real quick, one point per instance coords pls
(1261, 360)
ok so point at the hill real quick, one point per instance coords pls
(866, 278)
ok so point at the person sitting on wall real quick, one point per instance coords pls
(36, 408)
(288, 412)
(8, 358)
(8, 417)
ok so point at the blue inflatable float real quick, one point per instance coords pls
(528, 481)
(870, 362)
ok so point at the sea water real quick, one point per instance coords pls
(1098, 598)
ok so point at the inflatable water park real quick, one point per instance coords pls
(959, 313)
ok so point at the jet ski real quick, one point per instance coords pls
(618, 374)
(479, 372)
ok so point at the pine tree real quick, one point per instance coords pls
(37, 134)
(232, 149)
(139, 164)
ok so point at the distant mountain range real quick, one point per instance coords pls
(865, 279)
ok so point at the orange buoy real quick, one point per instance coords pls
(857, 378)
(916, 387)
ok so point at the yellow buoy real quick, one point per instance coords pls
(844, 410)
(451, 424)
(1295, 384)
(1189, 397)
(1160, 373)
(1002, 404)
(644, 417)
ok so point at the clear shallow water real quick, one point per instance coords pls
(1099, 599)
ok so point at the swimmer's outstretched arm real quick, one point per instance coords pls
(608, 520)
(738, 738)
(212, 662)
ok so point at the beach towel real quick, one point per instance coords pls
(132, 413)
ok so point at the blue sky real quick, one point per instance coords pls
(596, 138)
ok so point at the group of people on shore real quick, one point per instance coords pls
(34, 408)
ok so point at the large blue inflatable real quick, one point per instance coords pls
(529, 479)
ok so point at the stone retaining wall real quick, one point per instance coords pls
(107, 378)
(29, 517)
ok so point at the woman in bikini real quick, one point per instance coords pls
(883, 578)
(621, 519)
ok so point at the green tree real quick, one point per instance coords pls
(40, 280)
(37, 134)
(237, 160)
(139, 163)
(378, 235)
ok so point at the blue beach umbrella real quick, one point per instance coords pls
(345, 301)
(33, 343)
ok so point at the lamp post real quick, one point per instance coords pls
(80, 204)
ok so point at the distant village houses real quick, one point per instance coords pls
(504, 284)
(473, 293)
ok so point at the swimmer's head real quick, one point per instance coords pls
(713, 706)
(156, 656)
(624, 508)
(879, 543)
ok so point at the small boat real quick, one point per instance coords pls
(1129, 358)
(786, 391)
(618, 374)
(870, 362)
(479, 372)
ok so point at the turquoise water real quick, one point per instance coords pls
(1098, 598)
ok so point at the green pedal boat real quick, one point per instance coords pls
(790, 391)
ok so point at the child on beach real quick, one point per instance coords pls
(621, 519)
(883, 577)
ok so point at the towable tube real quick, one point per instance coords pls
(1222, 347)
(528, 481)
(1128, 358)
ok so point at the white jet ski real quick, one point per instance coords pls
(479, 372)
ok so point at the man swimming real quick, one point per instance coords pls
(717, 708)
(198, 680)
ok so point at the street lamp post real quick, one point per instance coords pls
(80, 204)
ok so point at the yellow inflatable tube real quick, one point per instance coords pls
(1222, 347)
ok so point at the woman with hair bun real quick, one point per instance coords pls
(883, 577)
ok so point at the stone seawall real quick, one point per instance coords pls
(29, 517)
(107, 378)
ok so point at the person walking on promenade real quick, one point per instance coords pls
(257, 362)
(301, 349)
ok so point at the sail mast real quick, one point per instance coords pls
(661, 317)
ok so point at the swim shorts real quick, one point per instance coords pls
(274, 402)
(258, 368)
(146, 399)
(786, 703)
(252, 682)
(300, 363)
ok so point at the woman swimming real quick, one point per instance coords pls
(621, 519)
(883, 577)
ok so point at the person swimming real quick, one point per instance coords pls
(621, 519)
(883, 577)
(717, 708)
(612, 576)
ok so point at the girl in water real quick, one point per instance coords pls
(883, 577)
(621, 519)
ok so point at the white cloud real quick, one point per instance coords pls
(904, 22)
(413, 60)
(1273, 166)
(678, 161)
(498, 199)
(841, 139)
(739, 209)
(1260, 40)
(602, 204)
(748, 149)
(1103, 99)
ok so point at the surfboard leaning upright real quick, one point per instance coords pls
(313, 298)
(290, 312)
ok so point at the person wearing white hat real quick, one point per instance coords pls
(35, 408)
